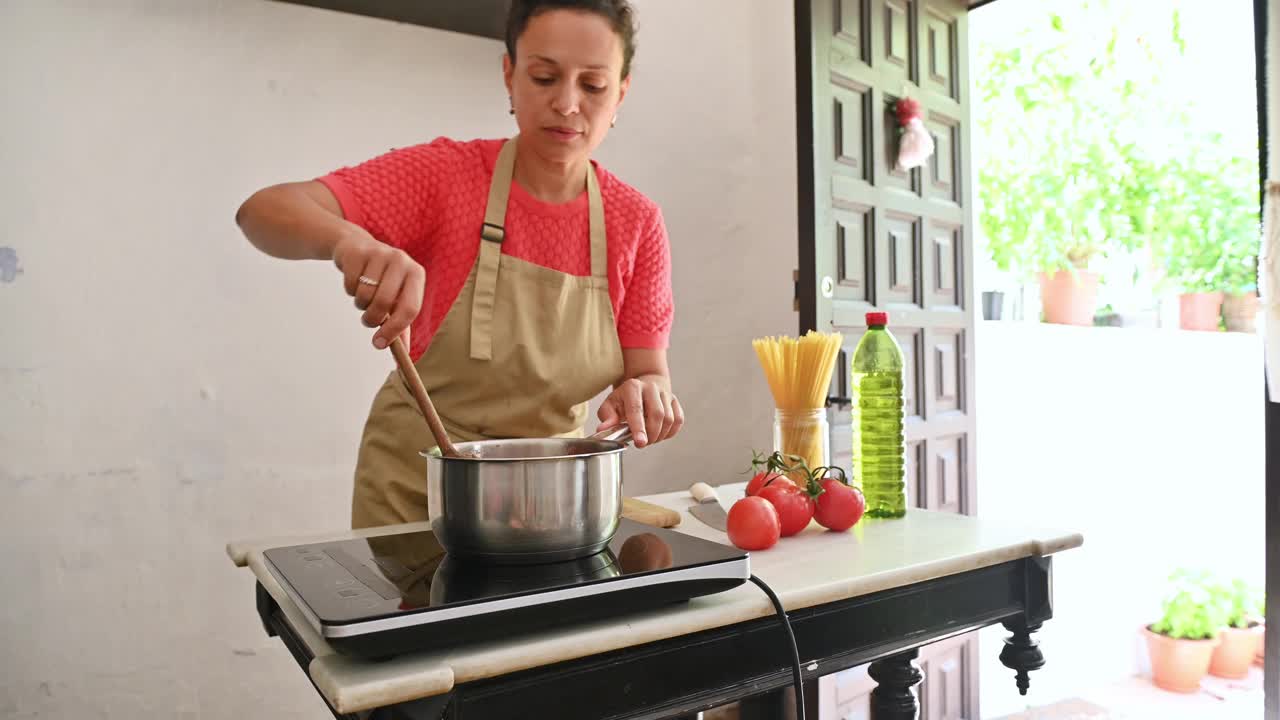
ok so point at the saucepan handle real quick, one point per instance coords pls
(621, 434)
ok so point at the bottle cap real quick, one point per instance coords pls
(877, 318)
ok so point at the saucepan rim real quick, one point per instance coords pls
(614, 441)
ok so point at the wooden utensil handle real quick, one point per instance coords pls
(411, 377)
(649, 514)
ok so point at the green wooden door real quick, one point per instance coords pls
(876, 238)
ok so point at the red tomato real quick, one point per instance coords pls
(840, 506)
(764, 478)
(795, 507)
(753, 524)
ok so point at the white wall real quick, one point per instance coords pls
(164, 388)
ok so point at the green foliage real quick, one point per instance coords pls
(1203, 223)
(1244, 603)
(1087, 151)
(1193, 608)
(1058, 180)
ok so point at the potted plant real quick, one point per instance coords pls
(1030, 236)
(1240, 274)
(1183, 243)
(1240, 304)
(1204, 231)
(1241, 639)
(1058, 179)
(1242, 240)
(1182, 641)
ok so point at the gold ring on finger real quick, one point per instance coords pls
(366, 280)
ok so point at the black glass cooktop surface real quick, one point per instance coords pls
(393, 593)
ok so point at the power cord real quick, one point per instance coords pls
(795, 654)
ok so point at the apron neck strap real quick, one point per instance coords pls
(595, 204)
(495, 212)
(492, 234)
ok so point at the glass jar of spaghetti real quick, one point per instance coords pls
(805, 434)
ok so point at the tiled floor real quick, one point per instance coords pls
(1137, 699)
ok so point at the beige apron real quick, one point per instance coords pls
(520, 353)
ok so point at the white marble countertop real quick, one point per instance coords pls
(810, 568)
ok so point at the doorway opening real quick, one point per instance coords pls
(1115, 268)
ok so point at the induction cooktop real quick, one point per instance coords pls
(383, 596)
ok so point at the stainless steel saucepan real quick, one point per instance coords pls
(522, 500)
(527, 500)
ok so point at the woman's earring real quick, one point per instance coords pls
(512, 111)
(614, 121)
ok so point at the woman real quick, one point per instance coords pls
(525, 278)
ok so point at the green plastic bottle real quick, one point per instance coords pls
(876, 386)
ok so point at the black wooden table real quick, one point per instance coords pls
(750, 660)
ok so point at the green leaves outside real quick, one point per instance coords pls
(1199, 605)
(1085, 152)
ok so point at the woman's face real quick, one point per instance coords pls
(565, 83)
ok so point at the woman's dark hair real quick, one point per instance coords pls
(619, 13)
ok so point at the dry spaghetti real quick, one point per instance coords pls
(799, 372)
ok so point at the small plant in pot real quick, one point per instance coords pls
(1182, 641)
(1240, 282)
(1241, 240)
(1205, 233)
(1186, 245)
(1242, 637)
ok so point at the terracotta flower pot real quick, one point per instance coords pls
(1240, 312)
(1235, 652)
(1199, 311)
(1069, 298)
(1178, 665)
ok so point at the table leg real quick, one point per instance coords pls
(896, 677)
(1021, 654)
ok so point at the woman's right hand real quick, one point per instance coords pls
(391, 294)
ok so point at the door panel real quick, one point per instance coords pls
(851, 127)
(899, 268)
(855, 247)
(948, 370)
(900, 241)
(941, 489)
(944, 168)
(945, 696)
(911, 342)
(946, 245)
(942, 57)
(914, 468)
(900, 37)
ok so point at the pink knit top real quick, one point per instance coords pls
(429, 200)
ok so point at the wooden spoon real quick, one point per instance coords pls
(410, 374)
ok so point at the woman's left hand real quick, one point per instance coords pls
(651, 411)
